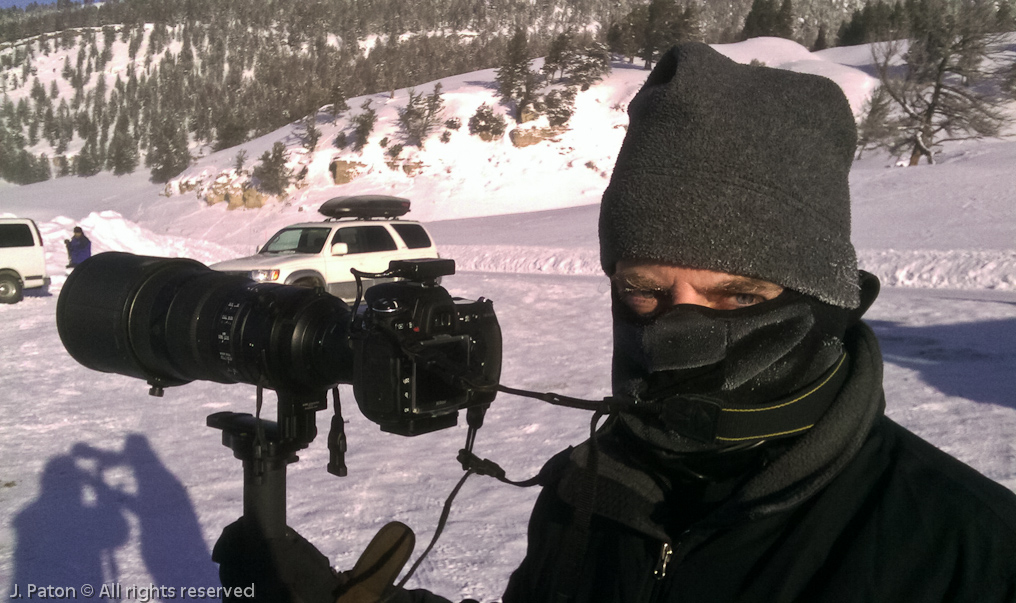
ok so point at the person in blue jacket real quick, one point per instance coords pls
(79, 248)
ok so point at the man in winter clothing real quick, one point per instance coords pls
(79, 247)
(751, 460)
(755, 462)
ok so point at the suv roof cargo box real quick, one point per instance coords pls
(365, 207)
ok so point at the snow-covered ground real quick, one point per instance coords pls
(101, 483)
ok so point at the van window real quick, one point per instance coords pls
(16, 235)
(365, 239)
(413, 234)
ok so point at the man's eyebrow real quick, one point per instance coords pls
(636, 280)
(745, 284)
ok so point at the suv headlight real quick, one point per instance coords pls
(262, 276)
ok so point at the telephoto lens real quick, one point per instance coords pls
(170, 321)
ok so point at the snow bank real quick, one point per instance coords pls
(932, 269)
(110, 231)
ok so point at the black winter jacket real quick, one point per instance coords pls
(857, 510)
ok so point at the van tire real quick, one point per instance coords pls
(10, 289)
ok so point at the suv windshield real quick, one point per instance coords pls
(297, 240)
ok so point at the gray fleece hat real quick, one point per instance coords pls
(736, 168)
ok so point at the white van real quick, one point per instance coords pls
(22, 259)
(362, 232)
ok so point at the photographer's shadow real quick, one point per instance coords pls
(969, 360)
(71, 533)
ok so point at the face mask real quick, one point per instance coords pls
(692, 362)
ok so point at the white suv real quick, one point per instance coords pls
(361, 232)
(22, 259)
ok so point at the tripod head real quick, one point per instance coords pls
(259, 549)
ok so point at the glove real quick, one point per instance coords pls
(371, 579)
(284, 569)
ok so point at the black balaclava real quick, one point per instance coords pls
(706, 373)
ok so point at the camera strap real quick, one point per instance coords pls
(337, 445)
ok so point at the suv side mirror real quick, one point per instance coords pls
(340, 249)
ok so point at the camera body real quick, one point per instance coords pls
(420, 354)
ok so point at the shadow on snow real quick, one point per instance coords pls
(70, 535)
(973, 360)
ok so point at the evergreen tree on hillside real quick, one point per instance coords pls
(487, 123)
(766, 18)
(311, 133)
(588, 65)
(512, 74)
(821, 39)
(624, 36)
(271, 173)
(122, 154)
(89, 160)
(661, 25)
(363, 125)
(338, 100)
(231, 128)
(421, 115)
(168, 154)
(559, 55)
(876, 22)
(658, 20)
(784, 26)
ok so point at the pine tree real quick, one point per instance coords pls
(168, 154)
(311, 133)
(421, 116)
(784, 25)
(88, 162)
(821, 41)
(338, 101)
(588, 65)
(363, 125)
(122, 154)
(657, 26)
(559, 55)
(664, 24)
(560, 106)
(239, 159)
(231, 128)
(486, 123)
(271, 173)
(625, 36)
(511, 76)
(762, 19)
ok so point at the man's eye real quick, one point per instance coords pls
(747, 299)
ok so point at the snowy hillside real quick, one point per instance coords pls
(101, 483)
